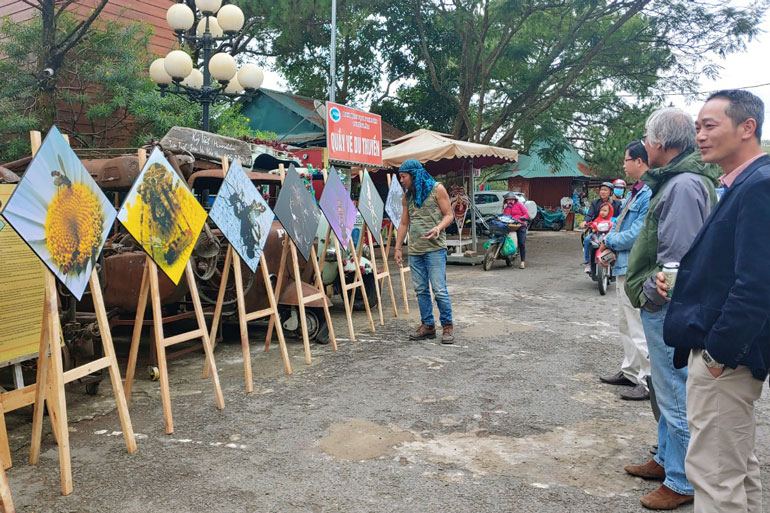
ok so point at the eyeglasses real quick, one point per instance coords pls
(628, 160)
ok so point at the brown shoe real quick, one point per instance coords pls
(650, 470)
(423, 332)
(447, 335)
(665, 498)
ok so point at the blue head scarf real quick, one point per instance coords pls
(423, 182)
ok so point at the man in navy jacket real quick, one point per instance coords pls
(718, 319)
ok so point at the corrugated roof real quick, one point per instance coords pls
(306, 107)
(532, 166)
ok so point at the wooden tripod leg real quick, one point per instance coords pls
(274, 316)
(360, 279)
(277, 295)
(196, 300)
(109, 352)
(5, 448)
(57, 383)
(376, 280)
(402, 272)
(40, 393)
(386, 269)
(218, 308)
(320, 284)
(300, 303)
(344, 289)
(5, 493)
(160, 349)
(133, 352)
(238, 277)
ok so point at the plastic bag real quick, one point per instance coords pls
(509, 247)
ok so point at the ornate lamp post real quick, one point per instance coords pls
(217, 27)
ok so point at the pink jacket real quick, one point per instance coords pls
(516, 210)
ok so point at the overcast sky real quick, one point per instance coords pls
(740, 70)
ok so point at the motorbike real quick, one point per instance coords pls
(601, 263)
(547, 220)
(501, 227)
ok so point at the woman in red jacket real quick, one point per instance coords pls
(513, 207)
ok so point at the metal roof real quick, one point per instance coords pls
(532, 166)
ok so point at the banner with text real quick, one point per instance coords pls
(353, 135)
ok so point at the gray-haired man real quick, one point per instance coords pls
(682, 197)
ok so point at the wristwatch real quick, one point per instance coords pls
(710, 362)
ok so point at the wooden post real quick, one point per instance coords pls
(401, 270)
(232, 258)
(150, 288)
(52, 378)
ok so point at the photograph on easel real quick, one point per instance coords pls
(338, 208)
(297, 212)
(394, 202)
(60, 212)
(242, 215)
(371, 207)
(163, 216)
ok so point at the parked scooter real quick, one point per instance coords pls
(501, 226)
(330, 275)
(600, 263)
(547, 220)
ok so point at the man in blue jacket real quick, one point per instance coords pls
(636, 361)
(718, 319)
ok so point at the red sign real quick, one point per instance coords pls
(353, 135)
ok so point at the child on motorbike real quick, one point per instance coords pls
(513, 207)
(605, 216)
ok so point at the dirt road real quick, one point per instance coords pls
(512, 418)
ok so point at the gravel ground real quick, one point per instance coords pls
(510, 418)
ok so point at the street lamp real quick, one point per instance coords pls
(216, 30)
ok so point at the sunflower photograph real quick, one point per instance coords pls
(60, 212)
(163, 216)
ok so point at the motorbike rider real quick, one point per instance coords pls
(605, 193)
(618, 190)
(513, 207)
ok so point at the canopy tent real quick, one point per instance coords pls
(440, 154)
(419, 131)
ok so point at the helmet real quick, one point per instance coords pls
(606, 184)
(510, 195)
(619, 183)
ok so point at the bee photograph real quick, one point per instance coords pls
(297, 212)
(371, 207)
(163, 216)
(61, 213)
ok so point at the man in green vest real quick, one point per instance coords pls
(682, 197)
(426, 214)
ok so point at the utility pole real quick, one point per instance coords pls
(333, 52)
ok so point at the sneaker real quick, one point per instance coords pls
(617, 379)
(447, 335)
(638, 393)
(588, 269)
(522, 265)
(423, 331)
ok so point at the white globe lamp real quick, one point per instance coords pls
(158, 73)
(250, 76)
(180, 17)
(194, 80)
(233, 86)
(214, 27)
(230, 18)
(178, 64)
(208, 7)
(222, 66)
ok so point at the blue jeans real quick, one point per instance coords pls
(431, 268)
(587, 247)
(670, 391)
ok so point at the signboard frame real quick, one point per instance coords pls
(353, 136)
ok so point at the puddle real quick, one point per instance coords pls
(358, 439)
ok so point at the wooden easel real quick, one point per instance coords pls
(290, 249)
(378, 276)
(243, 316)
(357, 282)
(50, 383)
(149, 287)
(393, 235)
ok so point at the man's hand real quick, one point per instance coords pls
(432, 233)
(602, 246)
(582, 225)
(399, 258)
(716, 372)
(660, 283)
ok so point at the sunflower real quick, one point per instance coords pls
(73, 227)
